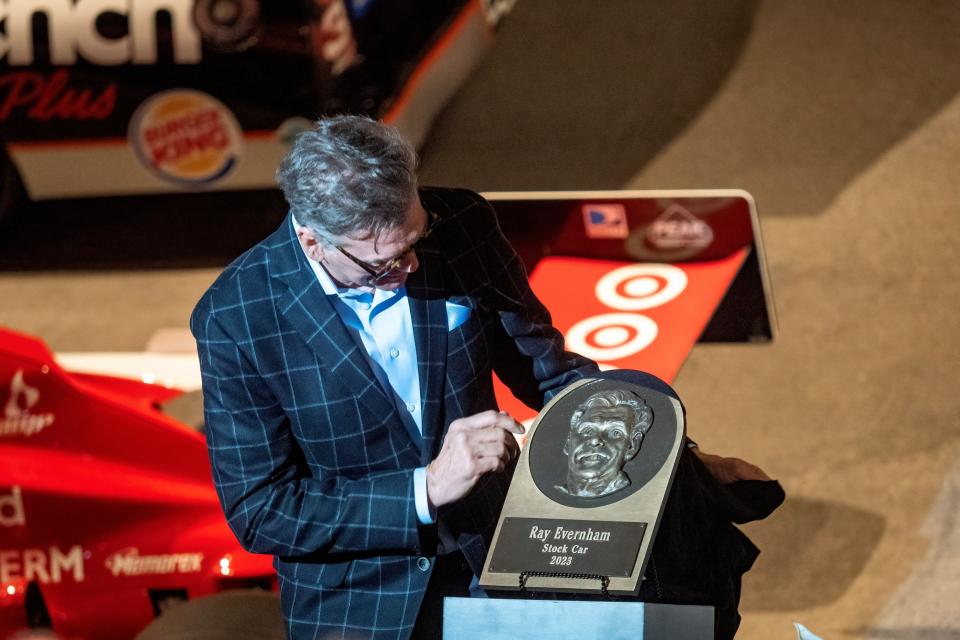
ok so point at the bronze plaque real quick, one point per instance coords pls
(589, 488)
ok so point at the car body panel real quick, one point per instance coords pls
(106, 504)
(147, 97)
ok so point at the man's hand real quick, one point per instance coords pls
(475, 445)
(727, 470)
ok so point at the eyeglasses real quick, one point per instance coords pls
(379, 272)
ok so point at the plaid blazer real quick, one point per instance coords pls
(310, 458)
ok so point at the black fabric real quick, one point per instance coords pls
(451, 577)
(750, 500)
(699, 557)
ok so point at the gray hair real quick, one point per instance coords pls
(642, 414)
(349, 176)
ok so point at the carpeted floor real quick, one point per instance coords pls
(843, 119)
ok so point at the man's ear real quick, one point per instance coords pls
(311, 243)
(634, 447)
(639, 430)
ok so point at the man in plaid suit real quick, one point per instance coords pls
(347, 362)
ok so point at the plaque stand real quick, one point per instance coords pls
(524, 619)
(526, 575)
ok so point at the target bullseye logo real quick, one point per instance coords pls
(614, 336)
(641, 286)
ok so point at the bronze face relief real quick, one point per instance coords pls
(606, 431)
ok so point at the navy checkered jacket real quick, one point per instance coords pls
(310, 458)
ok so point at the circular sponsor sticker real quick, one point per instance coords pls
(227, 25)
(186, 137)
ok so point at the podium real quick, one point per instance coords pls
(525, 619)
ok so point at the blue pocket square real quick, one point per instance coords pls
(457, 314)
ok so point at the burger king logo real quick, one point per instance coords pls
(186, 137)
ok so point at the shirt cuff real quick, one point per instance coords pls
(425, 514)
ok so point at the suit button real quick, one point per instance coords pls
(423, 564)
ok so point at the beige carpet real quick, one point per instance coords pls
(854, 407)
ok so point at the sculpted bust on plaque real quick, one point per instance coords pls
(588, 492)
(606, 432)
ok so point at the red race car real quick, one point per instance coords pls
(99, 97)
(107, 511)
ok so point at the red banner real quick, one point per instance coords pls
(629, 315)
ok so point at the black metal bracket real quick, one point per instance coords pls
(524, 575)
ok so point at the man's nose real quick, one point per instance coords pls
(410, 262)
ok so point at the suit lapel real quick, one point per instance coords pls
(428, 314)
(303, 302)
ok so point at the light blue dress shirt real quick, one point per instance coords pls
(382, 321)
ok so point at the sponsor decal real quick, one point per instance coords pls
(11, 509)
(48, 566)
(227, 25)
(290, 128)
(129, 562)
(186, 137)
(615, 336)
(677, 228)
(605, 221)
(640, 286)
(612, 336)
(18, 420)
(52, 97)
(74, 31)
